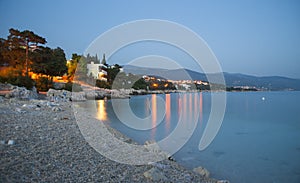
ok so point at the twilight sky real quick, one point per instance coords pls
(257, 37)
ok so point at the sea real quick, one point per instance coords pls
(258, 139)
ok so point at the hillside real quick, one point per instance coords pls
(236, 79)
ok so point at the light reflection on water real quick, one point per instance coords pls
(185, 108)
(153, 115)
(168, 113)
(101, 110)
(258, 140)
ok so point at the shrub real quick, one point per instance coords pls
(25, 81)
(102, 84)
(43, 84)
(75, 87)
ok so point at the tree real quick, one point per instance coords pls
(23, 40)
(104, 60)
(112, 73)
(51, 62)
(72, 65)
(59, 62)
(3, 51)
(81, 69)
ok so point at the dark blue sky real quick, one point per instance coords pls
(253, 36)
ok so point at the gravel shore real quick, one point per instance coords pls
(42, 143)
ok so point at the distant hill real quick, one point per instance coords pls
(266, 82)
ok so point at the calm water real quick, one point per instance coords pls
(259, 140)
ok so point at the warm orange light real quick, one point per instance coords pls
(190, 104)
(101, 110)
(201, 107)
(168, 112)
(154, 115)
(155, 85)
(166, 85)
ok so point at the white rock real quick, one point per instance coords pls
(23, 93)
(202, 171)
(11, 142)
(28, 106)
(52, 104)
(20, 110)
(155, 175)
(78, 96)
(223, 181)
(56, 109)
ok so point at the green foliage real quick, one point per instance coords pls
(103, 84)
(16, 48)
(22, 81)
(103, 60)
(140, 84)
(44, 84)
(81, 69)
(14, 76)
(51, 62)
(90, 59)
(202, 87)
(72, 65)
(112, 73)
(75, 87)
(24, 38)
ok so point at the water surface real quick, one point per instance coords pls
(259, 140)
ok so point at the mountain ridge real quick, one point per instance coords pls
(231, 79)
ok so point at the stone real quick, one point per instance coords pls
(160, 165)
(155, 174)
(65, 96)
(56, 109)
(8, 95)
(202, 171)
(223, 181)
(11, 142)
(152, 146)
(20, 110)
(187, 177)
(22, 93)
(28, 106)
(52, 104)
(78, 96)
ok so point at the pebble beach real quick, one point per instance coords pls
(41, 142)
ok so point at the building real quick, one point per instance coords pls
(97, 71)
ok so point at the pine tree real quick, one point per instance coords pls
(103, 60)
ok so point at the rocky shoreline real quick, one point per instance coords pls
(41, 142)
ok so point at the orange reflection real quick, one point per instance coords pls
(154, 117)
(179, 106)
(101, 110)
(184, 106)
(195, 105)
(168, 112)
(201, 108)
(190, 105)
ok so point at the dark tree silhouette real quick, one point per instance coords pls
(18, 41)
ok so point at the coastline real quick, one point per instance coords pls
(40, 142)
